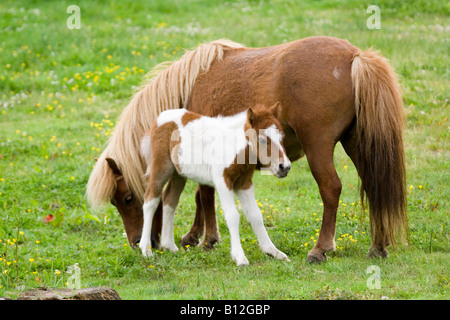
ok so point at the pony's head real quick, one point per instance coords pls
(266, 133)
(128, 205)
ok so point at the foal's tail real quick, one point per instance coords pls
(380, 153)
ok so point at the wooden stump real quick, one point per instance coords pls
(70, 294)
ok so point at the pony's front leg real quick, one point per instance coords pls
(232, 218)
(254, 216)
(149, 208)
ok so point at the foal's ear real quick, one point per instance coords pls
(250, 114)
(275, 108)
(114, 167)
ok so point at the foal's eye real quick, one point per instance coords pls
(129, 199)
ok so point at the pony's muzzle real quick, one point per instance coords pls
(283, 169)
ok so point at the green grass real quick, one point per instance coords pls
(61, 92)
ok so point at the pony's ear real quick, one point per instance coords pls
(250, 114)
(275, 108)
(114, 167)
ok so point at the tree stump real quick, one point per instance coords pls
(70, 294)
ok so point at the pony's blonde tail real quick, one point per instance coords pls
(169, 87)
(381, 159)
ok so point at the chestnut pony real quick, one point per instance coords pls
(329, 91)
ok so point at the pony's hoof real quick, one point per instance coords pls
(316, 257)
(209, 244)
(189, 240)
(377, 252)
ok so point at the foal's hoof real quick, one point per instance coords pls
(316, 257)
(241, 261)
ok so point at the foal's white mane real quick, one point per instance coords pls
(168, 87)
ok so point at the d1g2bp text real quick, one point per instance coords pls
(235, 309)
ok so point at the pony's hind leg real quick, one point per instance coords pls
(254, 216)
(192, 238)
(212, 234)
(170, 201)
(205, 220)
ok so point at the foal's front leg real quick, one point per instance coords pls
(170, 201)
(149, 208)
(232, 218)
(254, 216)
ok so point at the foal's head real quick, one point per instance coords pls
(266, 133)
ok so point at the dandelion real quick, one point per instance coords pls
(31, 260)
(57, 272)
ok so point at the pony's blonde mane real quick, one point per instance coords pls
(168, 87)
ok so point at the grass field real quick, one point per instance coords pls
(62, 90)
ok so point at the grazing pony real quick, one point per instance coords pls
(329, 91)
(221, 152)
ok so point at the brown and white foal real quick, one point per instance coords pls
(221, 152)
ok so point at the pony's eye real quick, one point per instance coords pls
(129, 199)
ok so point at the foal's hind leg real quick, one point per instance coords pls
(170, 201)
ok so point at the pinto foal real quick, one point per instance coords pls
(221, 152)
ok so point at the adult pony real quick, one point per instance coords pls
(329, 91)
